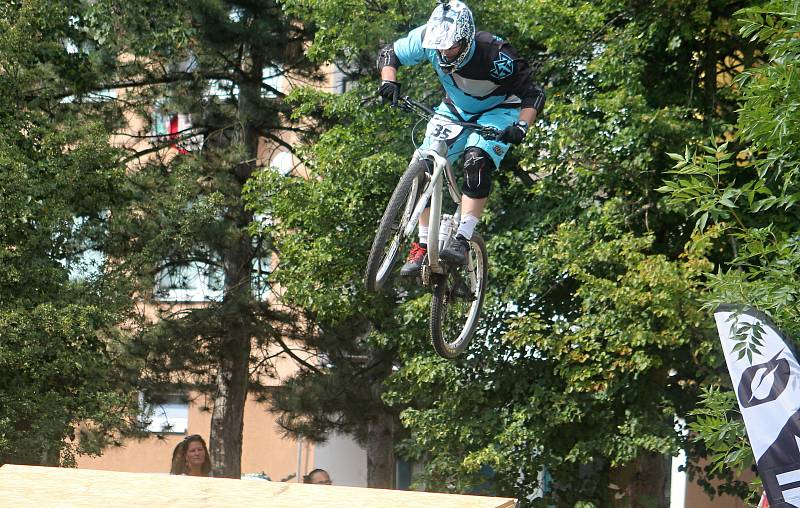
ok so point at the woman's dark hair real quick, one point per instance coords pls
(179, 456)
(307, 478)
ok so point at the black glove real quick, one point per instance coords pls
(514, 133)
(389, 91)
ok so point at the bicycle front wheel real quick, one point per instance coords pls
(389, 239)
(457, 301)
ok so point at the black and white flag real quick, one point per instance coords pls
(765, 372)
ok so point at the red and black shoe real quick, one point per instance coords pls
(414, 260)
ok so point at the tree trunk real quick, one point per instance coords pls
(380, 429)
(233, 368)
(380, 452)
(227, 418)
(643, 483)
(227, 421)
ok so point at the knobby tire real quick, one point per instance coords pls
(449, 336)
(390, 230)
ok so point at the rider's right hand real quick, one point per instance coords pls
(389, 91)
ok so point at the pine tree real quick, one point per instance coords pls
(212, 62)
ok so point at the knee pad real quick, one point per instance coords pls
(478, 167)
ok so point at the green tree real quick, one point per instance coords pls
(593, 287)
(592, 341)
(64, 384)
(213, 61)
(322, 228)
(743, 195)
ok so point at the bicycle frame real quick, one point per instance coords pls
(457, 292)
(442, 169)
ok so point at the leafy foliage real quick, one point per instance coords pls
(746, 194)
(64, 383)
(719, 431)
(595, 299)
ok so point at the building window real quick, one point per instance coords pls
(108, 94)
(272, 79)
(165, 414)
(222, 89)
(82, 260)
(159, 123)
(226, 89)
(192, 282)
(174, 126)
(262, 267)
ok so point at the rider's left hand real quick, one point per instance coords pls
(514, 133)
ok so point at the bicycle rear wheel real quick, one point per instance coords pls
(457, 301)
(389, 240)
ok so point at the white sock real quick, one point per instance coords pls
(423, 235)
(467, 226)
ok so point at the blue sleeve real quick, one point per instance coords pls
(409, 49)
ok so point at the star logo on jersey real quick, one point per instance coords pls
(498, 149)
(503, 67)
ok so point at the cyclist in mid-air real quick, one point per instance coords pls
(486, 82)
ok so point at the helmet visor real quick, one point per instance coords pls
(440, 32)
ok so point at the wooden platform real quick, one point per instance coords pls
(24, 486)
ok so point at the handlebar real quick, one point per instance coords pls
(406, 103)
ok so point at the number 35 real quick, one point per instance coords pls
(441, 132)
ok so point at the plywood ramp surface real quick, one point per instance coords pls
(23, 486)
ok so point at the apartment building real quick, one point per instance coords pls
(267, 452)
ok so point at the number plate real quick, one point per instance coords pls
(440, 127)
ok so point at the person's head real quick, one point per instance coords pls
(191, 457)
(317, 477)
(451, 32)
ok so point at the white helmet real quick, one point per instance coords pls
(450, 23)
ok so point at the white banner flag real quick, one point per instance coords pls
(766, 377)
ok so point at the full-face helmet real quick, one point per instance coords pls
(450, 24)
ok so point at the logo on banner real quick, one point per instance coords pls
(764, 382)
(778, 466)
(768, 393)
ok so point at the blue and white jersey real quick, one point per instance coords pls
(491, 76)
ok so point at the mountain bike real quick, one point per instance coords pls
(457, 291)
